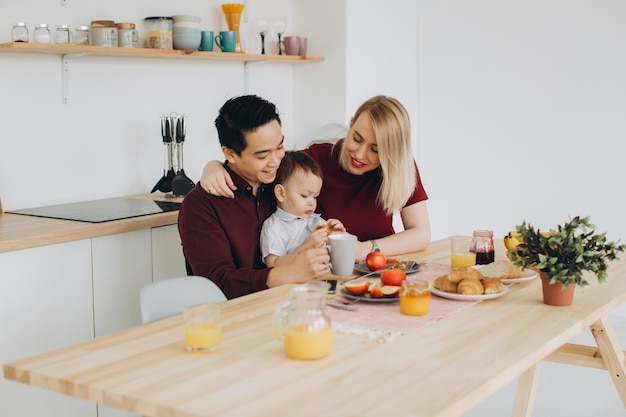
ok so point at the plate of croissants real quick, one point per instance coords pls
(468, 283)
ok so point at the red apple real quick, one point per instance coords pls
(375, 261)
(390, 290)
(376, 291)
(357, 287)
(392, 277)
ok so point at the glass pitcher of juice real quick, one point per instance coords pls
(303, 324)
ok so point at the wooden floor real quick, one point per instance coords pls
(565, 390)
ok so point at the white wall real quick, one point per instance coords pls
(517, 106)
(522, 110)
(106, 141)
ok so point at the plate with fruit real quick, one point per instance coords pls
(377, 261)
(371, 292)
(383, 290)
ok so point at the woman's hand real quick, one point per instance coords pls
(215, 180)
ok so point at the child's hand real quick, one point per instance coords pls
(336, 225)
(316, 239)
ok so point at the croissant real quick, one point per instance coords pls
(492, 285)
(470, 287)
(444, 284)
(466, 272)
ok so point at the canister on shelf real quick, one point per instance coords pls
(42, 33)
(127, 36)
(482, 246)
(159, 32)
(63, 35)
(20, 32)
(103, 33)
(82, 35)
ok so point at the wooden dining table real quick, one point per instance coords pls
(442, 369)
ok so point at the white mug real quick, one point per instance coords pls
(342, 249)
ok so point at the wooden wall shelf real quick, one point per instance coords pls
(38, 48)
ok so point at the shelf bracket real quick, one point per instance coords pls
(65, 74)
(246, 75)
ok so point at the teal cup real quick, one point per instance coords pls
(206, 41)
(227, 40)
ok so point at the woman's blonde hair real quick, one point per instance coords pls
(392, 128)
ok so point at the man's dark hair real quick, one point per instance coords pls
(242, 115)
(293, 161)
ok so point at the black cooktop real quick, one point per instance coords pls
(98, 211)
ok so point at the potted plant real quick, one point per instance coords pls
(563, 254)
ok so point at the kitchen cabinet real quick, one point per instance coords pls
(167, 253)
(45, 303)
(57, 294)
(122, 265)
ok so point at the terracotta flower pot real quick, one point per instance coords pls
(554, 294)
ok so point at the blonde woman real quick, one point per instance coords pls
(368, 176)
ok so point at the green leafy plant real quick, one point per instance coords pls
(565, 253)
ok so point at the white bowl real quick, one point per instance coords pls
(187, 42)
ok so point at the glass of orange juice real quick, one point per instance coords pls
(415, 297)
(203, 332)
(461, 253)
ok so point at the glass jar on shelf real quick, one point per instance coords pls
(82, 35)
(20, 32)
(42, 33)
(63, 35)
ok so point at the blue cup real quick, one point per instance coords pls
(206, 41)
(227, 40)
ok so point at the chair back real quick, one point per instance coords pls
(167, 297)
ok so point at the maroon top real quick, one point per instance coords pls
(220, 236)
(352, 198)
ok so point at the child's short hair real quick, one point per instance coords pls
(293, 161)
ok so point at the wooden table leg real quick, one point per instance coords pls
(526, 391)
(612, 354)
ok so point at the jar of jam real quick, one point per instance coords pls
(482, 246)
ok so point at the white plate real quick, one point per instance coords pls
(409, 267)
(528, 275)
(464, 297)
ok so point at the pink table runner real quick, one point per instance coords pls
(384, 322)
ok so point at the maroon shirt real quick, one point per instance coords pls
(220, 236)
(352, 198)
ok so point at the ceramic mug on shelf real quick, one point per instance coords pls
(292, 45)
(206, 41)
(226, 40)
(302, 46)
